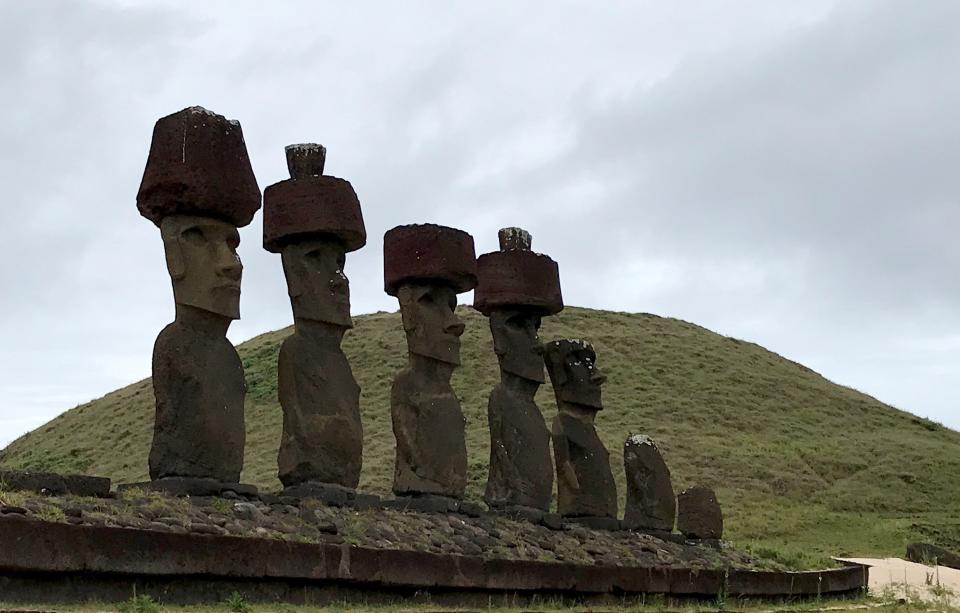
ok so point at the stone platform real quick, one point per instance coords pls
(53, 562)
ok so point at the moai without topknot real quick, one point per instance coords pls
(515, 289)
(425, 267)
(651, 504)
(698, 514)
(313, 220)
(585, 485)
(198, 188)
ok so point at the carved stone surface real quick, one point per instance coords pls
(198, 165)
(313, 220)
(698, 514)
(585, 485)
(198, 186)
(515, 289)
(651, 503)
(425, 267)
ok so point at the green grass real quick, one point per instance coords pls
(804, 468)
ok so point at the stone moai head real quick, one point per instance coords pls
(203, 263)
(313, 220)
(574, 374)
(425, 267)
(198, 188)
(516, 288)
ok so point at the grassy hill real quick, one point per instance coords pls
(803, 467)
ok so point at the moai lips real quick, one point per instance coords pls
(425, 267)
(651, 504)
(515, 289)
(198, 165)
(313, 220)
(198, 187)
(585, 485)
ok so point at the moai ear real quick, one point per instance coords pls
(170, 233)
(293, 271)
(407, 295)
(555, 367)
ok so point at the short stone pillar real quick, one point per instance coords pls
(313, 220)
(585, 485)
(198, 188)
(698, 514)
(515, 289)
(425, 267)
(651, 503)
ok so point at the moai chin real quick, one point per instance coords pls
(425, 267)
(585, 485)
(515, 289)
(198, 188)
(313, 220)
(651, 503)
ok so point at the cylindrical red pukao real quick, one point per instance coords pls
(428, 252)
(198, 165)
(517, 278)
(311, 204)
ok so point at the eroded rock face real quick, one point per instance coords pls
(198, 187)
(313, 220)
(651, 504)
(585, 485)
(515, 289)
(425, 266)
(698, 514)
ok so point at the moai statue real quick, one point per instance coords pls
(585, 485)
(313, 220)
(425, 267)
(198, 188)
(651, 503)
(698, 514)
(515, 289)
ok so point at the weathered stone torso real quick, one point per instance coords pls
(322, 432)
(596, 495)
(520, 469)
(199, 386)
(651, 503)
(430, 430)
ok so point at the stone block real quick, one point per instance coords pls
(198, 165)
(698, 514)
(428, 252)
(54, 484)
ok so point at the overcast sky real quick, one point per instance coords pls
(783, 172)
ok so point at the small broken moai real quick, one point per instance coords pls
(651, 503)
(698, 514)
(313, 220)
(425, 267)
(585, 485)
(198, 188)
(515, 289)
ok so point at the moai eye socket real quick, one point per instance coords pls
(194, 236)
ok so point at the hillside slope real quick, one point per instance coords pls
(800, 464)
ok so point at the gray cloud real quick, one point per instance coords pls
(781, 173)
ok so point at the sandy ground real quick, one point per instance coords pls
(903, 579)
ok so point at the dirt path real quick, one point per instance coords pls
(903, 579)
